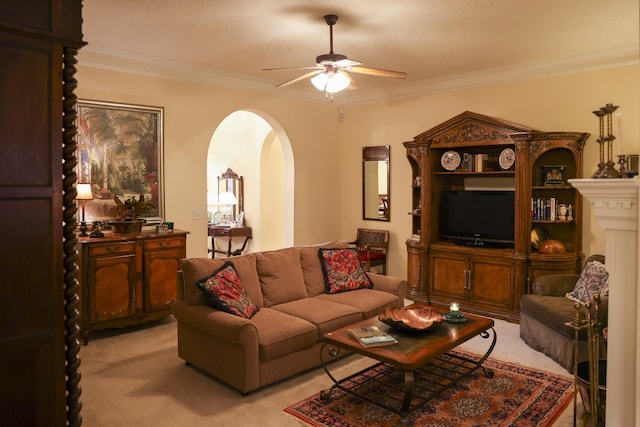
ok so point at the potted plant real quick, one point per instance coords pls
(127, 214)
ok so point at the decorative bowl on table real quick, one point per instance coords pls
(418, 318)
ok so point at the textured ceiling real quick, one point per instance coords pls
(431, 40)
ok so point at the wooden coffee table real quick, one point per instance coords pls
(425, 367)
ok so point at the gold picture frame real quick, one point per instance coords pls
(120, 153)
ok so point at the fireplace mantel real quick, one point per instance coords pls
(614, 204)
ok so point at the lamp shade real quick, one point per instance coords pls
(227, 198)
(84, 192)
(331, 82)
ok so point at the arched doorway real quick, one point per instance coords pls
(256, 147)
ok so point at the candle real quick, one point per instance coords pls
(454, 307)
(619, 123)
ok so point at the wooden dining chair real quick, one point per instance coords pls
(372, 246)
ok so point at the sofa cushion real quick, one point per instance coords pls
(225, 291)
(343, 270)
(554, 312)
(280, 276)
(311, 268)
(326, 315)
(280, 334)
(195, 269)
(370, 302)
(594, 280)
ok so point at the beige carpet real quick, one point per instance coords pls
(134, 377)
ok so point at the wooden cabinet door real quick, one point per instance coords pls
(491, 281)
(161, 264)
(448, 276)
(112, 287)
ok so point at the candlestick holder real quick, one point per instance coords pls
(607, 167)
(601, 141)
(622, 165)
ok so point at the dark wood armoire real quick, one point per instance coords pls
(39, 344)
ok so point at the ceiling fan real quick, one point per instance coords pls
(330, 74)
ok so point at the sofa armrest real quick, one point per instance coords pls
(228, 327)
(554, 284)
(393, 285)
(180, 286)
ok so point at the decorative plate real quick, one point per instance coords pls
(418, 318)
(450, 160)
(507, 158)
(217, 217)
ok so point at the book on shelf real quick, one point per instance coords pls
(544, 208)
(371, 336)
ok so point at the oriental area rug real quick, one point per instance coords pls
(515, 396)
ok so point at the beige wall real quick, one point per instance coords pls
(192, 112)
(272, 200)
(327, 151)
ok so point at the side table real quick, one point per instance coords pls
(228, 232)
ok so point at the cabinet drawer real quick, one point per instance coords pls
(120, 248)
(155, 244)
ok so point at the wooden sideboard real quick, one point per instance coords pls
(127, 279)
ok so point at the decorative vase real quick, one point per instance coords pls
(127, 227)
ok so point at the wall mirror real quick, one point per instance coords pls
(376, 174)
(230, 195)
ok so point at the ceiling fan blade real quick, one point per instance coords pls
(378, 72)
(345, 63)
(302, 77)
(354, 83)
(315, 67)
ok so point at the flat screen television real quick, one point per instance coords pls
(478, 218)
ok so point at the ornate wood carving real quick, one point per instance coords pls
(418, 153)
(471, 127)
(72, 330)
(541, 141)
(471, 132)
(520, 145)
(537, 146)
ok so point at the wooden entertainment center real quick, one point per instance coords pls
(476, 152)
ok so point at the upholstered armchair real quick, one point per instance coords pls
(545, 312)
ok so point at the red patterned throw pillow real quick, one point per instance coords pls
(225, 291)
(342, 270)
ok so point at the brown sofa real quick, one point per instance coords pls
(545, 312)
(284, 337)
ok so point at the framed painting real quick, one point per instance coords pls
(120, 153)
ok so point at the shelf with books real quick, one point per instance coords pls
(552, 209)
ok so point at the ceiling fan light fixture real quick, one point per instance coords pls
(331, 82)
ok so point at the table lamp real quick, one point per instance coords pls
(228, 199)
(84, 193)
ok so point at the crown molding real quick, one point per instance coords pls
(591, 61)
(157, 67)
